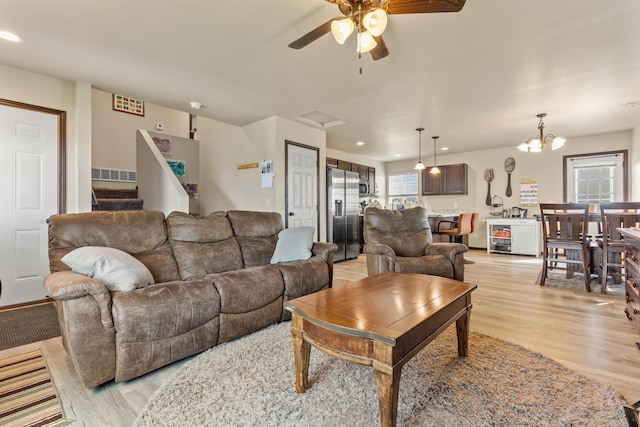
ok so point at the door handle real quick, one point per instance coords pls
(291, 214)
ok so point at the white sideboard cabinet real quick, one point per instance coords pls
(514, 236)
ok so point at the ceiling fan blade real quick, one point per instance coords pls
(397, 7)
(380, 51)
(312, 35)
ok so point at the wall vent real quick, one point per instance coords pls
(120, 175)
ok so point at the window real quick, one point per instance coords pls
(596, 178)
(403, 188)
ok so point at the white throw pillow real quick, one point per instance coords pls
(116, 269)
(293, 244)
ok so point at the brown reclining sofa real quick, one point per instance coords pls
(213, 282)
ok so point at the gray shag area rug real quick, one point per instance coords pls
(251, 382)
(22, 326)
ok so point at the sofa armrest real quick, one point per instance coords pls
(380, 258)
(454, 252)
(67, 285)
(450, 250)
(379, 249)
(323, 249)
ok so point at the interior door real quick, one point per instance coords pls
(302, 187)
(29, 194)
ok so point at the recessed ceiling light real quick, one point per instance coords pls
(8, 36)
(398, 155)
(359, 143)
(195, 105)
(444, 148)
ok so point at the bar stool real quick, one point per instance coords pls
(461, 227)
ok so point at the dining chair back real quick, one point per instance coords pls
(564, 230)
(613, 216)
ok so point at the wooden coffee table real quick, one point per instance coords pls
(382, 321)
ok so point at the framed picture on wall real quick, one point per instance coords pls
(128, 105)
(163, 144)
(178, 167)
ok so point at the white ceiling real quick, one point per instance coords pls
(476, 78)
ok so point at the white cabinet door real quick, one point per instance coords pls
(524, 239)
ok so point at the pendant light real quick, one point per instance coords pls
(419, 166)
(434, 170)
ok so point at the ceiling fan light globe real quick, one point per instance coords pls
(365, 42)
(342, 29)
(375, 21)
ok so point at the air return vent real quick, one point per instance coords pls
(102, 174)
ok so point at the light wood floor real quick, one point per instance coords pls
(587, 332)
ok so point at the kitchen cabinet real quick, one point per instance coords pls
(514, 236)
(372, 181)
(452, 179)
(632, 274)
(332, 162)
(363, 171)
(367, 173)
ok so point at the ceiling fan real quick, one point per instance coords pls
(369, 19)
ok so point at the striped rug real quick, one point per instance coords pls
(27, 394)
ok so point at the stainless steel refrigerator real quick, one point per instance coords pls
(342, 212)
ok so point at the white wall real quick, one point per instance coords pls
(72, 97)
(634, 168)
(545, 167)
(114, 133)
(223, 147)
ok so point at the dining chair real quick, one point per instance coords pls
(613, 216)
(566, 246)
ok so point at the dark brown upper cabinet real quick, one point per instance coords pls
(452, 179)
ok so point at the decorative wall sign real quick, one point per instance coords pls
(248, 165)
(178, 167)
(528, 192)
(128, 105)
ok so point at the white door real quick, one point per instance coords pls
(302, 187)
(29, 194)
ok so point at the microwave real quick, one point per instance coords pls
(363, 188)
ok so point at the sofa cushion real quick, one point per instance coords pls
(163, 323)
(257, 233)
(293, 244)
(406, 231)
(437, 265)
(203, 246)
(142, 234)
(304, 277)
(247, 289)
(116, 269)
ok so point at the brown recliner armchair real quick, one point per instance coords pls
(401, 240)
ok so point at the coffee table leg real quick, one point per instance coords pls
(462, 329)
(301, 353)
(388, 386)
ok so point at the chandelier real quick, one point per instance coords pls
(535, 144)
(371, 25)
